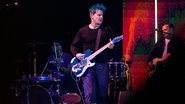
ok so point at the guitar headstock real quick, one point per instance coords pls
(117, 39)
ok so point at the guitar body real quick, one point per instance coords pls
(79, 67)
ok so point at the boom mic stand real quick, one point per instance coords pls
(58, 70)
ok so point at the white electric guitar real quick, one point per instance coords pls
(80, 66)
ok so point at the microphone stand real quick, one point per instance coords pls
(58, 69)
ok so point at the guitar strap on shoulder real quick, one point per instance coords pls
(98, 38)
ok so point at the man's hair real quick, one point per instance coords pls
(169, 24)
(96, 6)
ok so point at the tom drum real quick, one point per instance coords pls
(116, 69)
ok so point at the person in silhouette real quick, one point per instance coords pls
(59, 68)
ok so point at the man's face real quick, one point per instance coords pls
(167, 31)
(97, 17)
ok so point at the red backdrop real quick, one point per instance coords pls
(138, 29)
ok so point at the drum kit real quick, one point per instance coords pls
(40, 88)
(43, 89)
(117, 80)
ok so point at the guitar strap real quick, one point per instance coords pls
(98, 38)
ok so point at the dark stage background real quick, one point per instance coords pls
(28, 23)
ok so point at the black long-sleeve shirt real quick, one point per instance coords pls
(86, 39)
(175, 47)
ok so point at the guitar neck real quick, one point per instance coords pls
(98, 51)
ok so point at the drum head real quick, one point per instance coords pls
(35, 94)
(71, 98)
(42, 78)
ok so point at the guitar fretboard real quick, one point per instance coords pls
(98, 51)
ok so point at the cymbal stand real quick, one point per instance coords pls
(58, 68)
(34, 61)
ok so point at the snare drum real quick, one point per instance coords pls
(44, 81)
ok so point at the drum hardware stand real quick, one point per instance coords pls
(112, 87)
(58, 70)
(27, 96)
(14, 87)
(50, 77)
(34, 46)
(34, 61)
(116, 80)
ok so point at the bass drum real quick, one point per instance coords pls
(35, 94)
